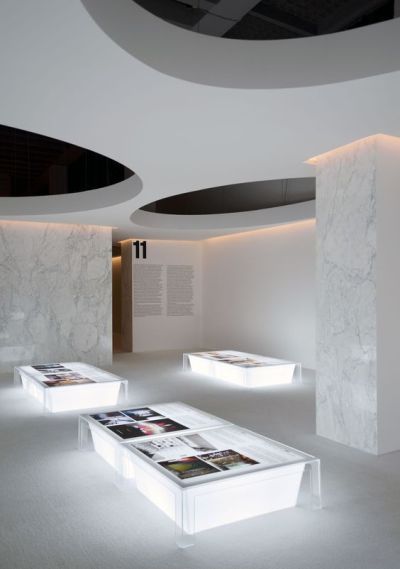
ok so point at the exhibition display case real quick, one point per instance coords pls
(71, 386)
(247, 370)
(201, 471)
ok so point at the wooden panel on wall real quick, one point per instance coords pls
(127, 297)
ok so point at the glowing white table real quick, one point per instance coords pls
(202, 476)
(71, 386)
(244, 369)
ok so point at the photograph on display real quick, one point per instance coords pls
(142, 413)
(188, 456)
(51, 368)
(214, 355)
(146, 428)
(249, 362)
(174, 447)
(107, 415)
(67, 375)
(55, 370)
(188, 467)
(116, 421)
(212, 451)
(42, 367)
(112, 418)
(233, 359)
(208, 355)
(64, 382)
(151, 422)
(62, 379)
(228, 459)
(243, 362)
(139, 414)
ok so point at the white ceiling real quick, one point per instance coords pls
(63, 76)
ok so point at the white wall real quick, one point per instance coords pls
(167, 312)
(259, 292)
(55, 294)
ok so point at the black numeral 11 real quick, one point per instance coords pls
(143, 245)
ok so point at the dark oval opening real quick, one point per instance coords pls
(269, 19)
(35, 165)
(236, 198)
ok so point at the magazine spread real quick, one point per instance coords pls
(215, 451)
(233, 359)
(147, 428)
(155, 420)
(57, 375)
(188, 467)
(189, 416)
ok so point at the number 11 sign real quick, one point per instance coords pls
(140, 249)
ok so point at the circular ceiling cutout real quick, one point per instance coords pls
(36, 165)
(235, 198)
(269, 19)
(303, 62)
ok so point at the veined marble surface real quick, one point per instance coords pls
(55, 294)
(346, 304)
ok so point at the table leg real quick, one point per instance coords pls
(184, 520)
(17, 377)
(315, 484)
(185, 362)
(123, 477)
(84, 435)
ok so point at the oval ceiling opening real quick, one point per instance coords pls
(269, 19)
(35, 165)
(237, 198)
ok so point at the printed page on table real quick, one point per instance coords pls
(215, 453)
(94, 373)
(58, 375)
(190, 416)
(233, 358)
(155, 420)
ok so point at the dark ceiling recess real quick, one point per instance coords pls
(271, 19)
(35, 165)
(237, 198)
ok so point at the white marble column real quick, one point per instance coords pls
(358, 284)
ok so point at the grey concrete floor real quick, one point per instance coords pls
(60, 509)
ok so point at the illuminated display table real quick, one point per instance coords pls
(244, 369)
(201, 471)
(70, 386)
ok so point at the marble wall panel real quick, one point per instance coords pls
(347, 296)
(55, 294)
